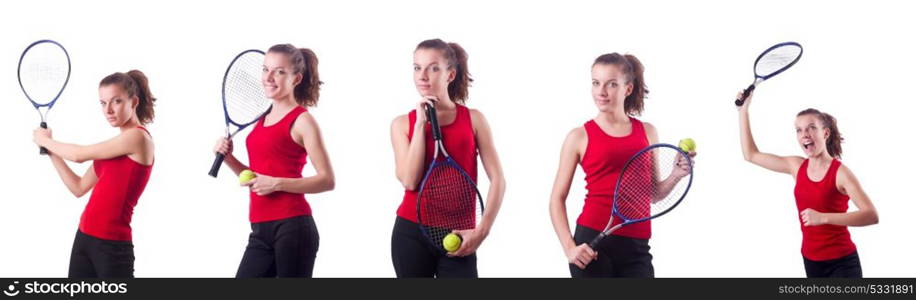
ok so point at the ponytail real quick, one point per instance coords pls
(305, 63)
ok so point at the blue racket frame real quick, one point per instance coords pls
(218, 161)
(50, 104)
(437, 163)
(614, 211)
(758, 78)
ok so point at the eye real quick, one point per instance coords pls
(264, 69)
(614, 84)
(416, 68)
(435, 69)
(594, 83)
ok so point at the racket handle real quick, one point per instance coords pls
(43, 150)
(597, 240)
(217, 162)
(433, 121)
(740, 101)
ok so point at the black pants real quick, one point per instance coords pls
(843, 267)
(617, 256)
(414, 256)
(281, 248)
(93, 257)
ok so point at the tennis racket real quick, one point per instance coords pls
(448, 198)
(44, 70)
(652, 183)
(244, 101)
(771, 62)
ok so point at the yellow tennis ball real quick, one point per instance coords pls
(246, 176)
(451, 242)
(688, 145)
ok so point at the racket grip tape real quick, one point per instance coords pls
(43, 150)
(597, 240)
(217, 162)
(740, 101)
(433, 121)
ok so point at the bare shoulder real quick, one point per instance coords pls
(477, 117)
(305, 120)
(400, 124)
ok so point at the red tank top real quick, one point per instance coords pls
(823, 242)
(120, 183)
(460, 143)
(604, 157)
(272, 152)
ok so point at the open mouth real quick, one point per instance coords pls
(808, 145)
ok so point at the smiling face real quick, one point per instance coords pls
(431, 72)
(279, 76)
(811, 134)
(610, 87)
(117, 105)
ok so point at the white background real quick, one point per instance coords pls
(531, 63)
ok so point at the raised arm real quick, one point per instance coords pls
(782, 164)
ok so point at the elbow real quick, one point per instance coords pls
(407, 182)
(329, 183)
(409, 185)
(874, 218)
(77, 158)
(748, 157)
(79, 193)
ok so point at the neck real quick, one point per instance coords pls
(284, 104)
(445, 103)
(613, 117)
(131, 124)
(821, 160)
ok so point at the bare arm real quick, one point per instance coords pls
(493, 167)
(306, 133)
(128, 142)
(782, 164)
(848, 184)
(409, 153)
(77, 185)
(488, 155)
(570, 155)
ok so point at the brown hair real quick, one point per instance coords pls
(304, 62)
(458, 60)
(829, 122)
(135, 84)
(633, 69)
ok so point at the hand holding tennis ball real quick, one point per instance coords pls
(688, 145)
(246, 176)
(451, 242)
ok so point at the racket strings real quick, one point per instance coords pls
(43, 72)
(777, 59)
(448, 201)
(652, 183)
(243, 91)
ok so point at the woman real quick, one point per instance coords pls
(121, 167)
(442, 79)
(823, 188)
(602, 146)
(284, 239)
